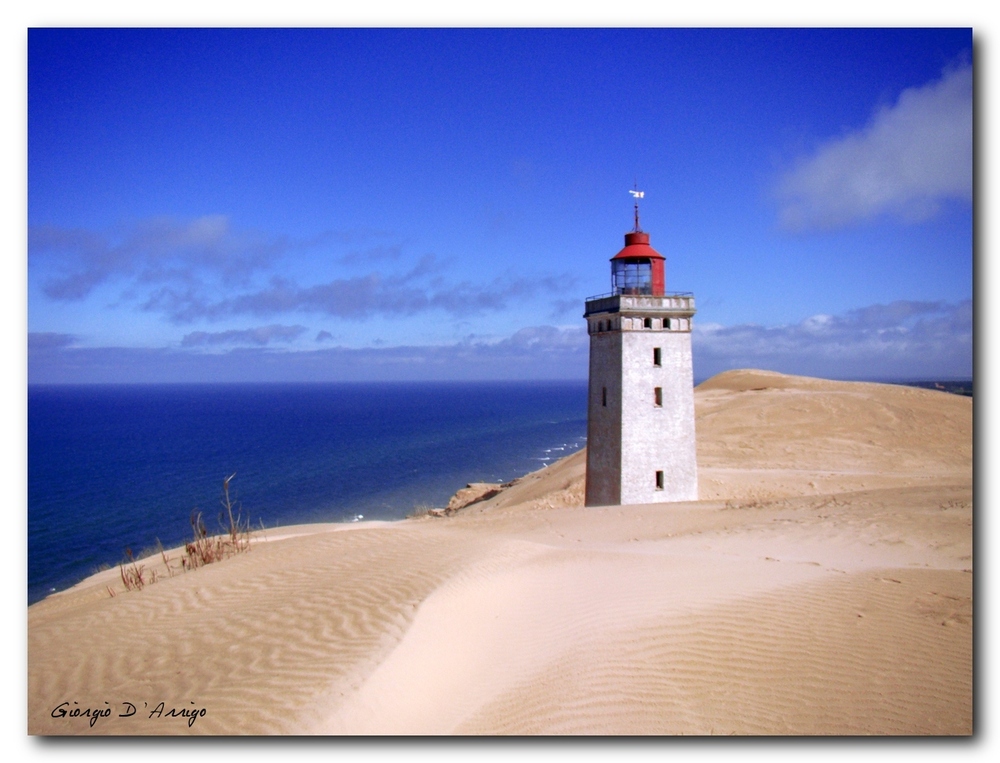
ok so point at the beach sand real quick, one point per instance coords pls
(822, 585)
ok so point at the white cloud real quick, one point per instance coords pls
(901, 340)
(260, 336)
(205, 269)
(71, 263)
(908, 159)
(42, 341)
(536, 352)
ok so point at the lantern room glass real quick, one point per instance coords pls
(632, 276)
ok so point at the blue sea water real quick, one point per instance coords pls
(115, 467)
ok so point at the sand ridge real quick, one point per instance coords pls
(774, 605)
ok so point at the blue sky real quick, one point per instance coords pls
(208, 205)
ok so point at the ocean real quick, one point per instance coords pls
(112, 467)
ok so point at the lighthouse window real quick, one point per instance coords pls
(666, 324)
(658, 396)
(648, 323)
(604, 396)
(656, 356)
(659, 480)
(632, 276)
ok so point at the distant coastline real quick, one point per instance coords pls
(115, 467)
(822, 584)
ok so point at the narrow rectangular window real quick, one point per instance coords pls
(656, 356)
(658, 396)
(659, 480)
(604, 396)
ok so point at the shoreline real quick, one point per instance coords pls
(824, 587)
(303, 454)
(289, 530)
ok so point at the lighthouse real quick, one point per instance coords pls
(640, 413)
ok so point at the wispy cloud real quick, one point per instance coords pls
(40, 341)
(154, 251)
(420, 289)
(904, 339)
(546, 339)
(257, 336)
(539, 352)
(899, 340)
(373, 254)
(205, 270)
(909, 158)
(563, 307)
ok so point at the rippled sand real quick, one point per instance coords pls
(823, 585)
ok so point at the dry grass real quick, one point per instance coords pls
(203, 549)
(134, 575)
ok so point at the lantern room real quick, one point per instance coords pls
(638, 268)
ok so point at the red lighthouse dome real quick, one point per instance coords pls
(638, 268)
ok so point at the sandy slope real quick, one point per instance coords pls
(762, 434)
(821, 586)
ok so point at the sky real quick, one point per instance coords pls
(778, 169)
(405, 204)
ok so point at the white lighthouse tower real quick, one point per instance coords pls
(640, 419)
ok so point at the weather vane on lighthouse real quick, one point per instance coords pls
(641, 434)
(636, 194)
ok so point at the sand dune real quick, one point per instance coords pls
(763, 434)
(821, 586)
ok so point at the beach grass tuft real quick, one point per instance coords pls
(203, 549)
(133, 575)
